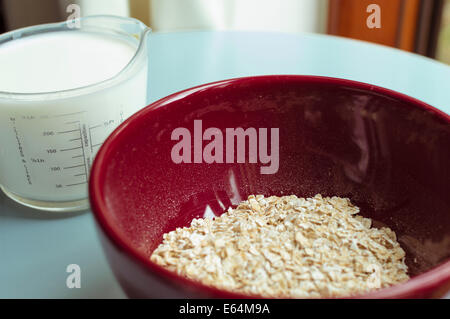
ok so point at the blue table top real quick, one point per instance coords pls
(36, 248)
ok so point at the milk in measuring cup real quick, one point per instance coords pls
(48, 141)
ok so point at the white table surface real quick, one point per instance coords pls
(36, 248)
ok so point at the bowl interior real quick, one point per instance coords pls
(388, 153)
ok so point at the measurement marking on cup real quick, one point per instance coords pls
(90, 135)
(71, 149)
(83, 156)
(77, 184)
(90, 138)
(74, 166)
(82, 147)
(69, 114)
(66, 132)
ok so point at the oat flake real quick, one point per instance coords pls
(285, 247)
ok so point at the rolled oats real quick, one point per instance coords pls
(286, 247)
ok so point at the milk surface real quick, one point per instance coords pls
(62, 60)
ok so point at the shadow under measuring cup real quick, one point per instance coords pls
(62, 92)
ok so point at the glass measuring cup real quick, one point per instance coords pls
(48, 140)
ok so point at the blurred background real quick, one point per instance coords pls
(420, 26)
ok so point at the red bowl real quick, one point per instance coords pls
(387, 152)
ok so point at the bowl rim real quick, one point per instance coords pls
(416, 286)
